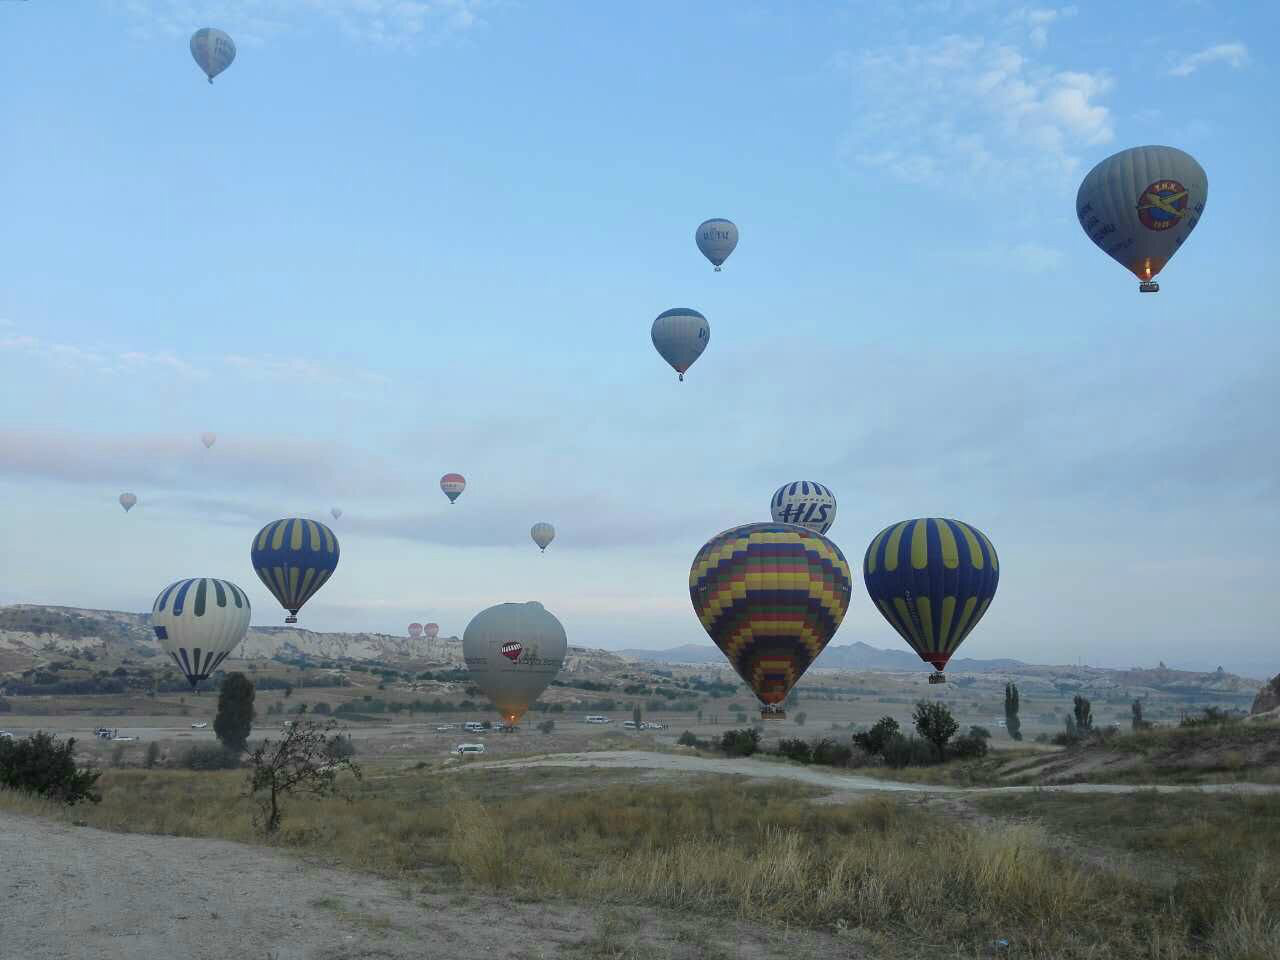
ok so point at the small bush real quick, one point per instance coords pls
(740, 743)
(342, 746)
(831, 752)
(689, 739)
(546, 726)
(910, 751)
(210, 757)
(322, 708)
(983, 732)
(794, 748)
(40, 764)
(968, 747)
(152, 756)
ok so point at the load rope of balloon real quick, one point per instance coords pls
(770, 595)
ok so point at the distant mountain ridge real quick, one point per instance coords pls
(853, 656)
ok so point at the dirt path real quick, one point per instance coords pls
(75, 893)
(841, 782)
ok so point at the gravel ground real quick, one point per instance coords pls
(75, 893)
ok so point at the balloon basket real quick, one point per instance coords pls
(1149, 287)
(937, 677)
(290, 619)
(772, 713)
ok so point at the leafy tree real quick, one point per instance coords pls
(1073, 732)
(983, 732)
(795, 749)
(874, 740)
(934, 722)
(1138, 722)
(830, 753)
(546, 726)
(1011, 704)
(152, 756)
(635, 715)
(40, 764)
(307, 760)
(800, 718)
(740, 743)
(235, 716)
(969, 747)
(322, 708)
(1084, 715)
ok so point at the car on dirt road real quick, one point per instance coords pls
(463, 749)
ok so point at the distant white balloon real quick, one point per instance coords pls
(543, 534)
(680, 335)
(716, 239)
(1140, 205)
(127, 500)
(805, 503)
(337, 513)
(213, 50)
(208, 439)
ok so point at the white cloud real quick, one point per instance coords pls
(397, 23)
(1037, 20)
(74, 358)
(267, 368)
(1233, 54)
(971, 106)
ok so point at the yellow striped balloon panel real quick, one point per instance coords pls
(294, 558)
(932, 579)
(770, 595)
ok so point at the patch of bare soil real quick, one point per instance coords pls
(75, 892)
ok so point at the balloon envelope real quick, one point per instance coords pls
(208, 439)
(1140, 205)
(543, 534)
(453, 484)
(933, 580)
(336, 513)
(415, 630)
(127, 500)
(770, 595)
(213, 50)
(804, 502)
(294, 558)
(513, 650)
(716, 239)
(198, 622)
(431, 630)
(680, 335)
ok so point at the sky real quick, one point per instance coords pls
(396, 239)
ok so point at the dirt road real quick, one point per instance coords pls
(840, 782)
(75, 893)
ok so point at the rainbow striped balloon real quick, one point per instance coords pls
(771, 596)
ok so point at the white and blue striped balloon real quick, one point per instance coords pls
(805, 503)
(199, 622)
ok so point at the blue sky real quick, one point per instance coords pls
(397, 239)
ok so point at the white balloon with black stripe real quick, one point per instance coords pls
(199, 622)
(805, 503)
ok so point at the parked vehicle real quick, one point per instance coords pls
(199, 726)
(630, 724)
(596, 718)
(463, 749)
(473, 726)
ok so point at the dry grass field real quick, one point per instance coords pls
(1141, 876)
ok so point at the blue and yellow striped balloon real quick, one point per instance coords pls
(770, 595)
(933, 580)
(294, 558)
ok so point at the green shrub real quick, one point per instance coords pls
(689, 739)
(740, 743)
(210, 757)
(911, 751)
(152, 756)
(874, 740)
(968, 747)
(40, 764)
(795, 749)
(546, 726)
(977, 731)
(831, 753)
(935, 723)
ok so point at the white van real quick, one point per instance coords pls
(629, 724)
(596, 718)
(463, 749)
(473, 726)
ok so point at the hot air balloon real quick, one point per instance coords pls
(716, 239)
(513, 650)
(1140, 205)
(294, 558)
(771, 595)
(127, 500)
(415, 631)
(453, 484)
(680, 335)
(213, 50)
(543, 534)
(431, 631)
(336, 513)
(199, 622)
(932, 580)
(804, 502)
(208, 439)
